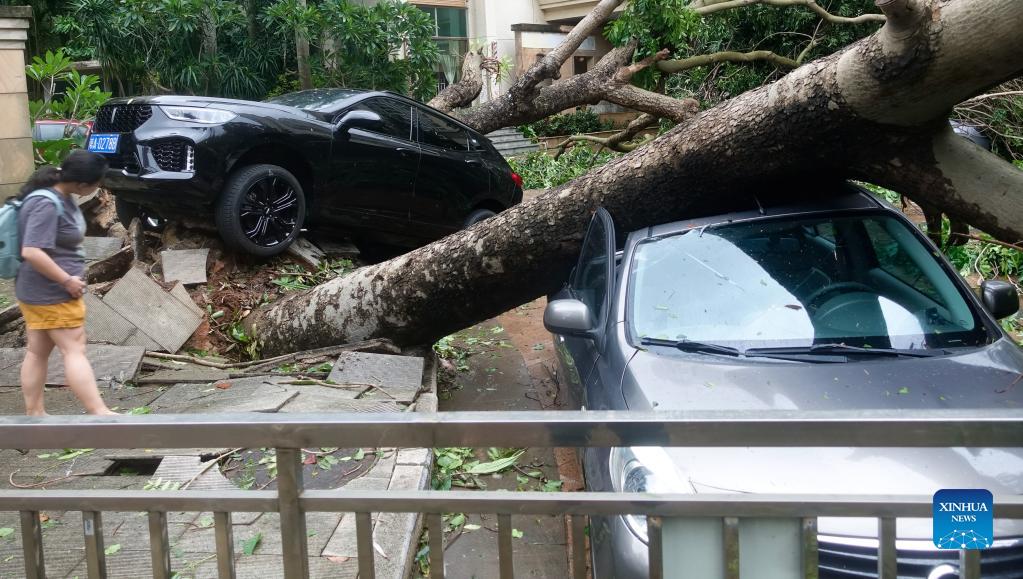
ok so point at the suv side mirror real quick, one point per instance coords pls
(359, 120)
(999, 298)
(569, 317)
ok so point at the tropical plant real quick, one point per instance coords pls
(540, 170)
(580, 121)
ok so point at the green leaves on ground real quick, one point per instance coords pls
(159, 484)
(67, 453)
(112, 549)
(6, 532)
(249, 546)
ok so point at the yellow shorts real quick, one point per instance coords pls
(70, 314)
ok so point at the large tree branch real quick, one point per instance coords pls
(674, 66)
(814, 123)
(705, 8)
(463, 92)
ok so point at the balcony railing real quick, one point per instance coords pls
(289, 433)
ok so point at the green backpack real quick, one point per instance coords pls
(10, 244)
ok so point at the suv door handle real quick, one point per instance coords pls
(473, 162)
(404, 152)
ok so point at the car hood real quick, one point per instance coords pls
(985, 378)
(234, 105)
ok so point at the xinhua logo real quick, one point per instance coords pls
(963, 519)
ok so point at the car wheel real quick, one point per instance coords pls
(477, 216)
(261, 210)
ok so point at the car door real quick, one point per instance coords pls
(373, 168)
(591, 282)
(452, 176)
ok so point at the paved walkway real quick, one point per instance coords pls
(332, 544)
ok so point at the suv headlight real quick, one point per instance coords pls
(200, 115)
(644, 470)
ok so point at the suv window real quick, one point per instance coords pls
(439, 132)
(589, 284)
(397, 116)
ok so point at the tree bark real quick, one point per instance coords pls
(462, 93)
(305, 76)
(875, 111)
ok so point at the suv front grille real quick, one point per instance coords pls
(121, 118)
(841, 561)
(173, 155)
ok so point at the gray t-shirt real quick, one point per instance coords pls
(61, 238)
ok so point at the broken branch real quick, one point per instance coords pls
(674, 66)
(711, 8)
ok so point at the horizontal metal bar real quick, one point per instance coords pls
(122, 500)
(586, 503)
(782, 428)
(665, 505)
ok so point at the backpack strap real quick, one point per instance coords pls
(51, 196)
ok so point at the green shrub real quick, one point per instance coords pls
(581, 121)
(542, 171)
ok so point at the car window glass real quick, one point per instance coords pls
(780, 283)
(396, 116)
(589, 284)
(49, 131)
(438, 132)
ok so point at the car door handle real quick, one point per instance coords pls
(404, 152)
(473, 162)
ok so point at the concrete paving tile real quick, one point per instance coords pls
(58, 562)
(100, 248)
(320, 527)
(104, 324)
(119, 363)
(383, 370)
(247, 395)
(336, 401)
(414, 456)
(142, 301)
(187, 266)
(383, 468)
(391, 534)
(191, 470)
(409, 478)
(181, 294)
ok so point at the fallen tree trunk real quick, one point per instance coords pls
(874, 111)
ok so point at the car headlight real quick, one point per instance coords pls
(644, 470)
(200, 115)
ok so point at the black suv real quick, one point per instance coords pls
(376, 163)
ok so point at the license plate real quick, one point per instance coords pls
(103, 143)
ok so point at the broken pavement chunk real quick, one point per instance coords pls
(111, 268)
(110, 363)
(185, 265)
(100, 248)
(156, 313)
(306, 252)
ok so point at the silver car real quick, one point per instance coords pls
(834, 304)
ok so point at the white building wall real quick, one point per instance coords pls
(490, 22)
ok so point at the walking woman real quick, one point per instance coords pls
(50, 282)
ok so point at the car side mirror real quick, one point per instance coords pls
(1000, 298)
(569, 317)
(359, 120)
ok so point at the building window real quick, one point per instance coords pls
(581, 64)
(452, 37)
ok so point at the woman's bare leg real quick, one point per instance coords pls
(78, 370)
(33, 371)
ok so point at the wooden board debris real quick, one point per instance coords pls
(338, 249)
(185, 265)
(306, 252)
(160, 316)
(103, 324)
(110, 364)
(179, 292)
(100, 248)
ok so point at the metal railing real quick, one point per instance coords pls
(289, 433)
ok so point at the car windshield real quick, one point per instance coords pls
(863, 280)
(324, 100)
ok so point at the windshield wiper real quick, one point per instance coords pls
(696, 347)
(845, 349)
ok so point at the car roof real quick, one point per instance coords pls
(844, 197)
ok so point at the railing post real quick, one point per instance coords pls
(504, 547)
(32, 545)
(730, 546)
(435, 524)
(579, 546)
(159, 545)
(95, 557)
(811, 556)
(364, 544)
(655, 553)
(294, 541)
(225, 544)
(969, 564)
(887, 555)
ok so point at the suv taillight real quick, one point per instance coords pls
(518, 180)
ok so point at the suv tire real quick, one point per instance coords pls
(260, 210)
(477, 216)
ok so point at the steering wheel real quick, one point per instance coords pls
(846, 286)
